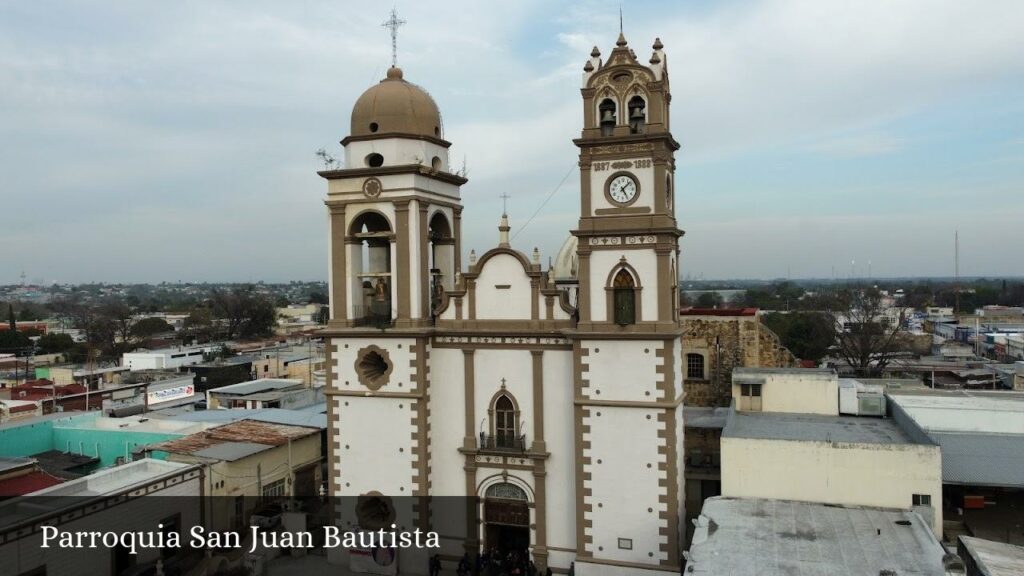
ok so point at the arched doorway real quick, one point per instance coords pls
(507, 520)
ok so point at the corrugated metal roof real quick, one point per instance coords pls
(243, 431)
(310, 417)
(982, 459)
(256, 386)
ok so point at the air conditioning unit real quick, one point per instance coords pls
(871, 405)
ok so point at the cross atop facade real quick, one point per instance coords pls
(502, 382)
(392, 24)
(504, 203)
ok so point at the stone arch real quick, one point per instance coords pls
(622, 292)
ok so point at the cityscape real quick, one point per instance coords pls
(440, 394)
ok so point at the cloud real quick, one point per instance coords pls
(130, 123)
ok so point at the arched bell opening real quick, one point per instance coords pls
(369, 245)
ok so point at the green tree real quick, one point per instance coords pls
(808, 335)
(148, 327)
(709, 300)
(54, 343)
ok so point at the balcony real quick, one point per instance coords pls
(374, 315)
(503, 442)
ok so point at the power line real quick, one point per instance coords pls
(546, 200)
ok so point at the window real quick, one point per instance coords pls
(922, 500)
(504, 422)
(625, 543)
(750, 397)
(274, 489)
(624, 298)
(695, 366)
(374, 160)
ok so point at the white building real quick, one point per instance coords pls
(166, 358)
(488, 380)
(794, 445)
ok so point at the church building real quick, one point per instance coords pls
(553, 394)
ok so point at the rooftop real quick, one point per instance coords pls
(786, 538)
(243, 438)
(311, 416)
(993, 558)
(964, 410)
(703, 417)
(718, 312)
(814, 428)
(258, 386)
(980, 459)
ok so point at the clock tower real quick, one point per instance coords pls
(627, 209)
(627, 342)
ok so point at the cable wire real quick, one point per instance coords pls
(546, 200)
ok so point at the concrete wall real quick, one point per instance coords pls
(811, 393)
(879, 475)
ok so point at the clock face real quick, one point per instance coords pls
(622, 189)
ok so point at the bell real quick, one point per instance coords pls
(607, 117)
(638, 114)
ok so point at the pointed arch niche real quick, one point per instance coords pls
(622, 290)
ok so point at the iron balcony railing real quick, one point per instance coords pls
(375, 315)
(503, 442)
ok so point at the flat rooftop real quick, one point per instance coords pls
(703, 417)
(814, 428)
(964, 410)
(993, 558)
(258, 386)
(314, 416)
(786, 538)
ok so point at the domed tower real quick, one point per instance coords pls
(395, 210)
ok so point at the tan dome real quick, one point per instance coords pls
(395, 106)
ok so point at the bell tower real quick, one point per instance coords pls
(394, 211)
(628, 237)
(627, 342)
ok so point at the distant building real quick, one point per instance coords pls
(221, 372)
(783, 537)
(167, 358)
(264, 393)
(18, 409)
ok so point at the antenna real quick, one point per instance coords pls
(620, 18)
(956, 271)
(392, 24)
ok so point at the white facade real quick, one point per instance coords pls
(486, 381)
(165, 358)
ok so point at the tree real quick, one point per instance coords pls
(54, 343)
(808, 335)
(317, 298)
(148, 327)
(709, 300)
(120, 317)
(865, 337)
(245, 313)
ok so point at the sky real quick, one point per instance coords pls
(149, 141)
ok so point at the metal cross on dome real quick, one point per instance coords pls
(504, 202)
(392, 24)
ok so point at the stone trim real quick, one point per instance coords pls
(339, 277)
(537, 357)
(424, 267)
(333, 449)
(419, 169)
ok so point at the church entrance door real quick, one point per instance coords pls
(507, 520)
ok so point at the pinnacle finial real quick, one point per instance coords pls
(595, 52)
(657, 44)
(621, 41)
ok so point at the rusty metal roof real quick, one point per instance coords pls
(243, 431)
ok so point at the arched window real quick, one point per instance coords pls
(624, 298)
(637, 115)
(505, 491)
(608, 120)
(695, 366)
(504, 422)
